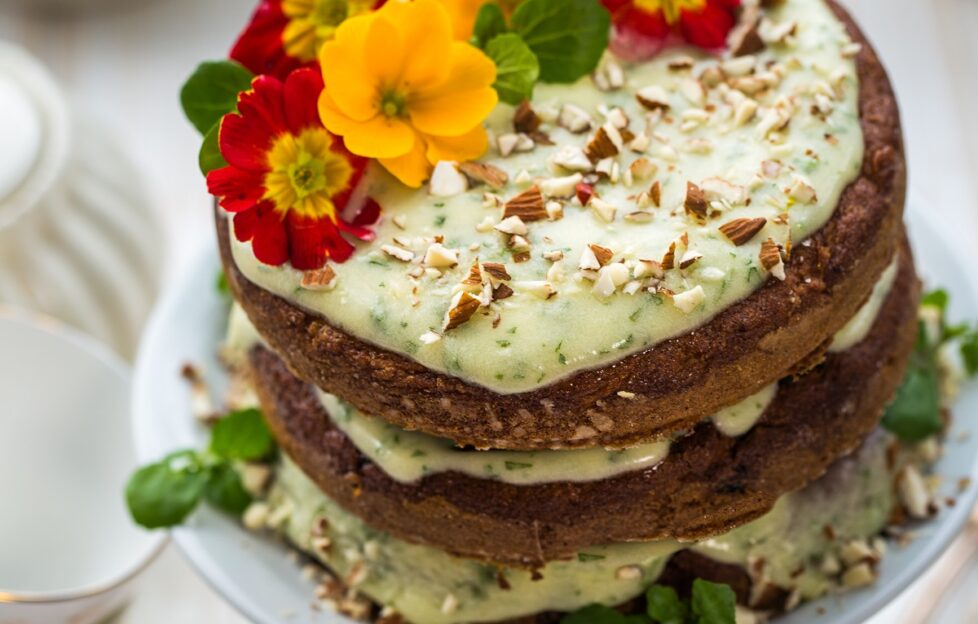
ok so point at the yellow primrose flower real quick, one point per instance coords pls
(400, 89)
(462, 14)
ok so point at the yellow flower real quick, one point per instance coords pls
(462, 14)
(400, 89)
(311, 22)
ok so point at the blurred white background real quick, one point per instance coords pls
(124, 61)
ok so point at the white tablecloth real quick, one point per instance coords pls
(125, 65)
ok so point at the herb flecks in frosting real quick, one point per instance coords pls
(771, 136)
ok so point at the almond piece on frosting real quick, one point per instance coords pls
(484, 173)
(319, 279)
(463, 306)
(741, 231)
(770, 258)
(528, 206)
(695, 203)
(438, 256)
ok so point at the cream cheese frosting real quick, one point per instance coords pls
(857, 328)
(777, 138)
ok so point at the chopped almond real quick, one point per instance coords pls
(463, 307)
(741, 231)
(770, 258)
(319, 279)
(602, 254)
(655, 193)
(528, 206)
(696, 203)
(669, 259)
(494, 177)
(601, 146)
(496, 270)
(525, 119)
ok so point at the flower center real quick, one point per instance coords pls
(305, 174)
(330, 13)
(671, 9)
(393, 104)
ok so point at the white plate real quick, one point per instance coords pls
(254, 574)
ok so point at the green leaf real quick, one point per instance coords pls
(969, 352)
(664, 605)
(600, 614)
(936, 298)
(212, 91)
(242, 435)
(489, 22)
(915, 412)
(713, 603)
(568, 37)
(225, 491)
(163, 494)
(210, 157)
(221, 284)
(517, 69)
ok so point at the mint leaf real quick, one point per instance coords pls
(212, 91)
(517, 69)
(163, 494)
(489, 22)
(225, 491)
(568, 37)
(664, 605)
(969, 352)
(713, 603)
(210, 157)
(242, 435)
(600, 614)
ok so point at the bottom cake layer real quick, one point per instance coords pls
(813, 540)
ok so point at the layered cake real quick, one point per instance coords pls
(545, 304)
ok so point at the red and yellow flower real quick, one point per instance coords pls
(644, 27)
(400, 88)
(284, 35)
(288, 180)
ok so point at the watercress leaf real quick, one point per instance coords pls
(242, 435)
(221, 284)
(210, 157)
(517, 69)
(225, 491)
(936, 298)
(489, 22)
(664, 605)
(969, 352)
(163, 494)
(915, 412)
(212, 91)
(600, 614)
(713, 603)
(568, 37)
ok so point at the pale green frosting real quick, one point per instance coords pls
(427, 585)
(526, 341)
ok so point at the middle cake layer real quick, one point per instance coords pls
(710, 482)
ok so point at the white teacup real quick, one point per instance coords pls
(68, 549)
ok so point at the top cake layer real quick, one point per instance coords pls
(687, 154)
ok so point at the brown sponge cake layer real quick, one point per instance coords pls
(670, 386)
(709, 484)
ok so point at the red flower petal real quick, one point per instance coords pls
(311, 242)
(368, 215)
(264, 228)
(709, 27)
(244, 144)
(264, 105)
(238, 189)
(259, 47)
(302, 89)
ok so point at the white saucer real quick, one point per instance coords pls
(254, 574)
(70, 551)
